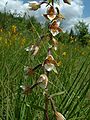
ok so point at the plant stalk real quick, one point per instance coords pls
(46, 106)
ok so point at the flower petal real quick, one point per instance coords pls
(49, 66)
(43, 80)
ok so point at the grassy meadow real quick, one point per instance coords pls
(73, 76)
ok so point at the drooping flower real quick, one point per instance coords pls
(59, 116)
(54, 28)
(67, 1)
(50, 13)
(26, 89)
(43, 81)
(49, 63)
(33, 49)
(28, 70)
(34, 5)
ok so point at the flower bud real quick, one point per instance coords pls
(33, 49)
(34, 6)
(55, 43)
(67, 1)
(59, 116)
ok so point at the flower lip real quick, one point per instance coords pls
(43, 80)
(54, 28)
(49, 63)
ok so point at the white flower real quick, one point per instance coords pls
(50, 13)
(43, 80)
(49, 64)
(54, 28)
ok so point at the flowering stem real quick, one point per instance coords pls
(45, 2)
(37, 67)
(46, 106)
(35, 29)
(53, 2)
(52, 104)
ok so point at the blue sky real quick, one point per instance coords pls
(78, 10)
(86, 12)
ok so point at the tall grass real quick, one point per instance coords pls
(73, 78)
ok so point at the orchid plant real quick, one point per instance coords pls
(54, 16)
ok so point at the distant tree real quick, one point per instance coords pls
(71, 32)
(81, 30)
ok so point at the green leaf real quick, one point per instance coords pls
(56, 94)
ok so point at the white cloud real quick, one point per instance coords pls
(73, 13)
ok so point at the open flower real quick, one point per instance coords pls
(33, 49)
(49, 63)
(34, 6)
(50, 13)
(43, 81)
(67, 1)
(54, 28)
(59, 116)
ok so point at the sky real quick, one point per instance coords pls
(86, 12)
(78, 10)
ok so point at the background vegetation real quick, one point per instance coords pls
(73, 55)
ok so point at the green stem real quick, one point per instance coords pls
(52, 104)
(46, 106)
